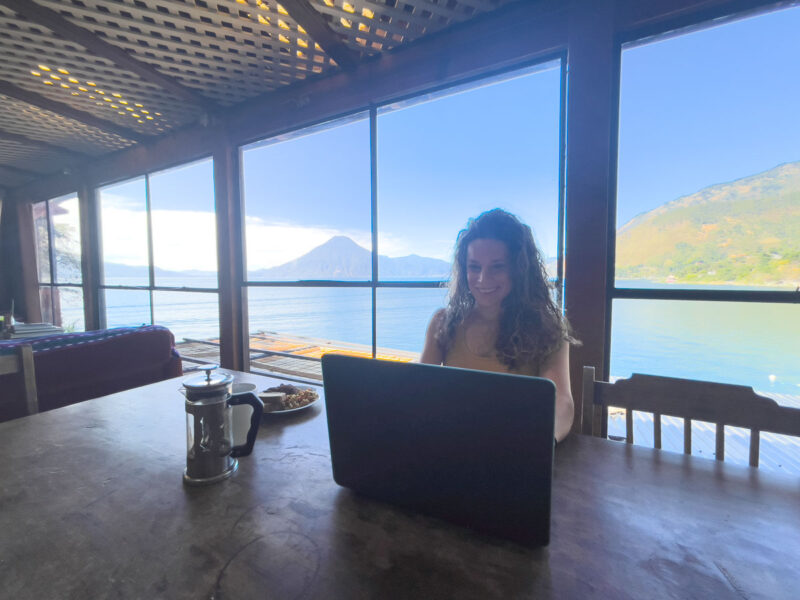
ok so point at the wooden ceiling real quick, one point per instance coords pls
(80, 79)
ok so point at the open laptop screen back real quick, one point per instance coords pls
(471, 447)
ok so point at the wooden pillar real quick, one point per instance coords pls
(91, 261)
(234, 340)
(24, 274)
(591, 117)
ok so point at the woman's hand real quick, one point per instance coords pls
(556, 369)
(432, 353)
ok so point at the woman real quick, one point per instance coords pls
(500, 315)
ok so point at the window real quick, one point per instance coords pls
(159, 252)
(708, 207)
(58, 259)
(351, 225)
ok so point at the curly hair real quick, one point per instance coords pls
(531, 324)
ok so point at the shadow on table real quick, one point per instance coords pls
(379, 550)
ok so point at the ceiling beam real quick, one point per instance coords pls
(67, 30)
(318, 29)
(65, 110)
(21, 139)
(17, 172)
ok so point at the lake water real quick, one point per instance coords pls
(743, 343)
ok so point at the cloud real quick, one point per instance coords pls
(184, 239)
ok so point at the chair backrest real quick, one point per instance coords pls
(21, 362)
(718, 403)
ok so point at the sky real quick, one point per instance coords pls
(697, 109)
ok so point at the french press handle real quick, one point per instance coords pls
(255, 419)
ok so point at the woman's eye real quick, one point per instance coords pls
(474, 268)
(499, 268)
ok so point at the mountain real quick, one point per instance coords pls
(341, 258)
(744, 232)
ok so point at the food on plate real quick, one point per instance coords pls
(287, 397)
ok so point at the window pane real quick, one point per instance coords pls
(72, 317)
(308, 204)
(66, 239)
(46, 305)
(40, 231)
(732, 342)
(184, 225)
(453, 157)
(403, 316)
(127, 308)
(307, 322)
(123, 221)
(709, 165)
(187, 314)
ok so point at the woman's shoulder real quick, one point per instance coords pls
(439, 316)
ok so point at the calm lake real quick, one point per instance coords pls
(736, 342)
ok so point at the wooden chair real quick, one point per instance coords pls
(719, 403)
(22, 363)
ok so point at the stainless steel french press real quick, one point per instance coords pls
(210, 453)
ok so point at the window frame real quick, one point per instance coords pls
(51, 256)
(151, 286)
(372, 110)
(639, 37)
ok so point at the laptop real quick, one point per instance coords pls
(471, 447)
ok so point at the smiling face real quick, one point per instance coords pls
(488, 272)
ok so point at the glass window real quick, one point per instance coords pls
(57, 235)
(66, 239)
(307, 198)
(72, 316)
(709, 166)
(184, 226)
(402, 317)
(41, 230)
(708, 199)
(123, 221)
(127, 308)
(745, 343)
(449, 157)
(169, 215)
(189, 315)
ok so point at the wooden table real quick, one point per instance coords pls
(92, 506)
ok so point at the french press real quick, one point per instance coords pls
(210, 453)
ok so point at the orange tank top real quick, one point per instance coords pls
(459, 355)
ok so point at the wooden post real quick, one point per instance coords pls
(91, 260)
(234, 339)
(591, 113)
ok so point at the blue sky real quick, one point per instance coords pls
(707, 107)
(695, 109)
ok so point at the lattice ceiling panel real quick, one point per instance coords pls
(374, 26)
(228, 50)
(97, 76)
(39, 61)
(21, 118)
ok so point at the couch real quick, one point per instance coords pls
(73, 367)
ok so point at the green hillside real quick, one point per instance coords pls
(744, 232)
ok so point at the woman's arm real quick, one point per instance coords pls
(432, 352)
(556, 369)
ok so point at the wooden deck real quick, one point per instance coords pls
(289, 356)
